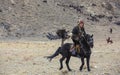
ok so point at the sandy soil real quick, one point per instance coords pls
(27, 58)
(33, 19)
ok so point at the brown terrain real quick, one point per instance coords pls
(25, 23)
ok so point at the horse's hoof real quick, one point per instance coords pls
(70, 69)
(80, 69)
(89, 70)
(60, 68)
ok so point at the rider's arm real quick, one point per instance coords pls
(75, 31)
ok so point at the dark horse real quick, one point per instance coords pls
(85, 52)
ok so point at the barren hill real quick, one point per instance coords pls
(32, 19)
(25, 23)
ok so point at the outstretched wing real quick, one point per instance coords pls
(52, 36)
(60, 34)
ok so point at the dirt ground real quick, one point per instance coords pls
(27, 58)
(24, 20)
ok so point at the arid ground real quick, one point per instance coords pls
(24, 25)
(27, 58)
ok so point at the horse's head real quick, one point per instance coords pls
(89, 39)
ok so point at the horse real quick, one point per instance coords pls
(111, 30)
(87, 43)
(109, 40)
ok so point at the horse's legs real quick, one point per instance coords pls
(67, 63)
(82, 60)
(88, 61)
(55, 54)
(61, 64)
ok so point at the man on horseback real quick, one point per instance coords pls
(77, 32)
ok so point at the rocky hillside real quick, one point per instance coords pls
(33, 19)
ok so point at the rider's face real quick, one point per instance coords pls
(81, 25)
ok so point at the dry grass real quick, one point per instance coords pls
(27, 58)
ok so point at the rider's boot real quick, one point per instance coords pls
(78, 50)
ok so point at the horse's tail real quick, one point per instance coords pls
(55, 54)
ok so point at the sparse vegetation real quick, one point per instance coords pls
(24, 25)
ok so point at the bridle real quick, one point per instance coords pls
(85, 38)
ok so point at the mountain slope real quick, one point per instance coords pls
(34, 18)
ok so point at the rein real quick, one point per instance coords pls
(87, 44)
(85, 40)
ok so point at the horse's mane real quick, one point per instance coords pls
(84, 40)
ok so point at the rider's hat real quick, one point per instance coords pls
(81, 22)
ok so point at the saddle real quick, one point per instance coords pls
(75, 49)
